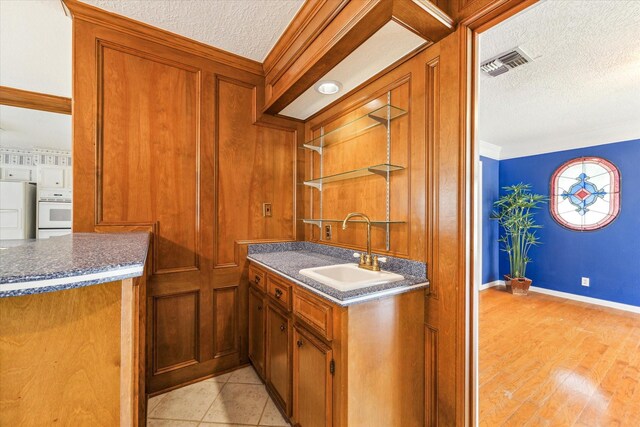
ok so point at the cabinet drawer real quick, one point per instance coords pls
(314, 312)
(280, 291)
(257, 277)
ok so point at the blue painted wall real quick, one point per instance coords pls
(490, 193)
(610, 257)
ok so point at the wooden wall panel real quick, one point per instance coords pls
(173, 141)
(362, 149)
(175, 339)
(434, 83)
(356, 150)
(255, 165)
(226, 323)
(155, 178)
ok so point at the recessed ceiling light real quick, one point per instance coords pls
(328, 87)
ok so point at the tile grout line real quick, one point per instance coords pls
(213, 401)
(264, 408)
(224, 383)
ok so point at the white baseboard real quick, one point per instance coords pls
(566, 295)
(491, 284)
(596, 301)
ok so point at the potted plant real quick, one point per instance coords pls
(514, 212)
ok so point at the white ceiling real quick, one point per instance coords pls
(35, 55)
(582, 88)
(26, 129)
(249, 28)
(389, 44)
(35, 46)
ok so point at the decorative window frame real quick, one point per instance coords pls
(614, 193)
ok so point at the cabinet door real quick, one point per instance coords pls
(256, 330)
(16, 174)
(279, 355)
(312, 380)
(51, 178)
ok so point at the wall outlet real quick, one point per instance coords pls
(585, 281)
(266, 209)
(327, 232)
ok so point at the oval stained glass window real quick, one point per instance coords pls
(585, 193)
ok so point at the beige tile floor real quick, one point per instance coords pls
(235, 399)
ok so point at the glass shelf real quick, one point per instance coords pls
(379, 116)
(318, 222)
(381, 169)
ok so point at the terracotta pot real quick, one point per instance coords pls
(519, 286)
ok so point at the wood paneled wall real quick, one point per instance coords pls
(431, 195)
(168, 137)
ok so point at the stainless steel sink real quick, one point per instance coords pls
(346, 277)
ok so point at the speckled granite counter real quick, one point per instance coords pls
(70, 261)
(287, 259)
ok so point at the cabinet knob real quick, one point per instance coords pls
(282, 327)
(299, 343)
(259, 308)
(278, 293)
(257, 279)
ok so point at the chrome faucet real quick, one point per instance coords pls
(366, 261)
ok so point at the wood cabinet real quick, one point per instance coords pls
(313, 366)
(70, 357)
(334, 366)
(279, 355)
(256, 331)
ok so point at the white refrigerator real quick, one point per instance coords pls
(17, 210)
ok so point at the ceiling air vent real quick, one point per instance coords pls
(502, 63)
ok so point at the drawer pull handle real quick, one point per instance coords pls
(299, 343)
(257, 279)
(282, 328)
(278, 293)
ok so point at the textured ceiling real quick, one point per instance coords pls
(582, 88)
(35, 46)
(249, 28)
(24, 128)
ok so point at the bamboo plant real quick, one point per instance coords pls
(514, 212)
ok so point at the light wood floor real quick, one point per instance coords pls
(547, 361)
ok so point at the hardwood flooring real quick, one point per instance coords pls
(548, 361)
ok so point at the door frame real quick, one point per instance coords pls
(497, 12)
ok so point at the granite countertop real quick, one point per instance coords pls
(287, 259)
(71, 261)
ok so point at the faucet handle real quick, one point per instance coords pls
(362, 260)
(376, 266)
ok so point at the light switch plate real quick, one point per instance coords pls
(585, 281)
(266, 209)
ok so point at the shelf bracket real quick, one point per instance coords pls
(316, 222)
(315, 185)
(315, 148)
(382, 120)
